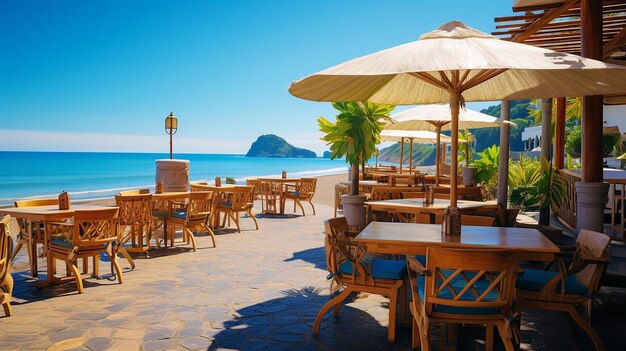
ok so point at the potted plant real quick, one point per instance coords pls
(354, 134)
(466, 153)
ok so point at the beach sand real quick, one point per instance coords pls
(324, 194)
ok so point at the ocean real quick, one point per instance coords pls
(97, 175)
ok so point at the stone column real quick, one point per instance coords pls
(173, 173)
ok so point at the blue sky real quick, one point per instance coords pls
(103, 75)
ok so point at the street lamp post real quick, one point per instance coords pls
(171, 126)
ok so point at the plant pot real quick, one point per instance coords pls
(354, 210)
(469, 175)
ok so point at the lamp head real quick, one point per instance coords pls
(171, 124)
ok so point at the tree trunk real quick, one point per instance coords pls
(354, 172)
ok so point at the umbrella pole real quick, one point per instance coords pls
(411, 155)
(401, 152)
(454, 109)
(437, 155)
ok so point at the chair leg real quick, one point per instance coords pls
(190, 237)
(313, 207)
(415, 335)
(256, 223)
(393, 303)
(301, 207)
(96, 266)
(211, 234)
(8, 287)
(127, 257)
(235, 217)
(117, 266)
(489, 337)
(505, 336)
(584, 325)
(335, 300)
(403, 298)
(77, 276)
(17, 249)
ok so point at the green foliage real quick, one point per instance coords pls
(466, 150)
(230, 180)
(524, 172)
(538, 186)
(487, 164)
(573, 142)
(486, 137)
(356, 131)
(423, 154)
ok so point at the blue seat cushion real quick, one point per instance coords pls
(534, 280)
(179, 214)
(226, 204)
(421, 259)
(64, 242)
(458, 284)
(295, 193)
(379, 268)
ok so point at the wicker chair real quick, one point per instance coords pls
(355, 271)
(32, 233)
(571, 289)
(135, 214)
(340, 190)
(463, 287)
(91, 233)
(192, 215)
(303, 191)
(242, 200)
(6, 281)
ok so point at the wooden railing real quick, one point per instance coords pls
(566, 211)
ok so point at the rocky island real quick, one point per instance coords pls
(270, 145)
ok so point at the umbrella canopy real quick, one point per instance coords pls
(437, 117)
(418, 136)
(429, 117)
(456, 63)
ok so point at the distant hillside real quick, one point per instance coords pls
(422, 154)
(270, 145)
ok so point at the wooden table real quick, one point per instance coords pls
(413, 239)
(417, 206)
(272, 190)
(45, 214)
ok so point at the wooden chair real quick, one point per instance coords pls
(32, 232)
(483, 221)
(6, 280)
(571, 288)
(413, 194)
(135, 214)
(353, 270)
(135, 192)
(90, 233)
(242, 200)
(194, 214)
(463, 287)
(256, 183)
(304, 191)
(340, 190)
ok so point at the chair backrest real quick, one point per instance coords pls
(243, 195)
(340, 190)
(134, 209)
(135, 192)
(478, 220)
(200, 203)
(387, 193)
(307, 186)
(590, 245)
(340, 247)
(6, 248)
(256, 183)
(95, 227)
(36, 202)
(470, 279)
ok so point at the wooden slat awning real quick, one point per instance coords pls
(555, 24)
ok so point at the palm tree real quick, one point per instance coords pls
(355, 133)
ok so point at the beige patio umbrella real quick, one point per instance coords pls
(454, 64)
(414, 136)
(437, 117)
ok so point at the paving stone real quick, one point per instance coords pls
(158, 345)
(196, 342)
(98, 344)
(160, 335)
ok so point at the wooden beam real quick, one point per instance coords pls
(559, 134)
(547, 17)
(617, 42)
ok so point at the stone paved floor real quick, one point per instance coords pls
(258, 290)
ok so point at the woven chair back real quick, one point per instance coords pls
(6, 249)
(134, 209)
(95, 227)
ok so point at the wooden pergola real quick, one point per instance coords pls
(590, 28)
